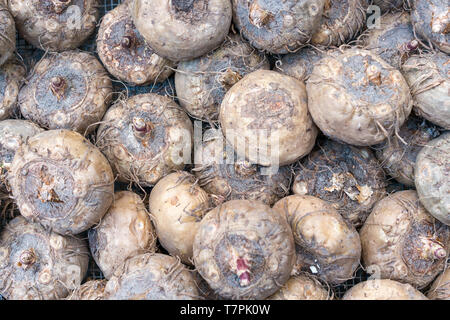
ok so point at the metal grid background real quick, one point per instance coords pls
(31, 55)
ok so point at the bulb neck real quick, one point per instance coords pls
(61, 5)
(258, 16)
(245, 168)
(142, 128)
(27, 258)
(58, 86)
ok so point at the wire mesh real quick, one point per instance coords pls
(31, 55)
